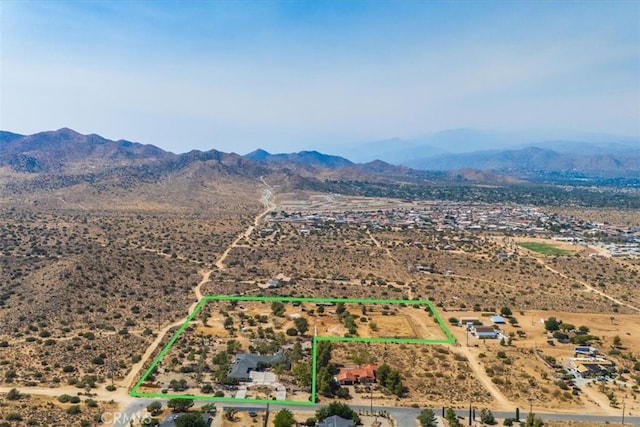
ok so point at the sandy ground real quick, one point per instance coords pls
(627, 327)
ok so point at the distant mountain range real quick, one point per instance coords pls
(64, 158)
(532, 161)
(68, 152)
(591, 155)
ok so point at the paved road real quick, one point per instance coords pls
(403, 416)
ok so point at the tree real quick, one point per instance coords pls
(191, 420)
(179, 404)
(551, 324)
(513, 321)
(382, 374)
(324, 353)
(154, 407)
(284, 418)
(560, 335)
(394, 383)
(327, 386)
(506, 311)
(340, 409)
(567, 326)
(277, 308)
(296, 352)
(320, 309)
(302, 324)
(427, 418)
(533, 421)
(487, 417)
(450, 415)
(303, 373)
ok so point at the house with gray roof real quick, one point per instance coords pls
(336, 421)
(247, 362)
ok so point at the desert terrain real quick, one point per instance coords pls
(109, 287)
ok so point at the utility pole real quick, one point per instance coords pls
(112, 367)
(470, 400)
(623, 403)
(371, 401)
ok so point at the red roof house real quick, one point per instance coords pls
(362, 375)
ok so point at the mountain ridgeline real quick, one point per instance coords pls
(65, 159)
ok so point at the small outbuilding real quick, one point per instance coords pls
(498, 320)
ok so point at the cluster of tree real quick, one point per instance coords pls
(178, 385)
(179, 404)
(452, 418)
(427, 418)
(301, 369)
(391, 380)
(278, 308)
(340, 409)
(301, 326)
(560, 331)
(284, 418)
(327, 385)
(486, 417)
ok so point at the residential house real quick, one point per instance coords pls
(464, 321)
(588, 367)
(363, 375)
(586, 350)
(279, 280)
(336, 421)
(247, 362)
(482, 331)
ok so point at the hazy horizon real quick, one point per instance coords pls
(291, 76)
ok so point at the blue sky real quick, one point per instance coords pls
(291, 75)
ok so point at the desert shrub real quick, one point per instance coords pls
(292, 332)
(12, 416)
(65, 398)
(13, 394)
(73, 410)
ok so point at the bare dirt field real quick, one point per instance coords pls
(431, 373)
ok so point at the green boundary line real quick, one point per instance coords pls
(450, 340)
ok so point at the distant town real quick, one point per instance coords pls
(318, 213)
